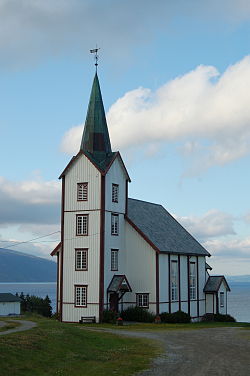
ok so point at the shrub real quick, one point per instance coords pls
(218, 317)
(109, 316)
(176, 317)
(137, 314)
(224, 318)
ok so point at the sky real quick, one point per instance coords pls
(175, 80)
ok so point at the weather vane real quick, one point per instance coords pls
(95, 51)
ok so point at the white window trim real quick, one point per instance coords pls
(114, 259)
(174, 280)
(192, 280)
(142, 300)
(114, 224)
(81, 295)
(82, 224)
(82, 191)
(83, 252)
(222, 299)
(115, 193)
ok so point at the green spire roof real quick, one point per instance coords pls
(95, 139)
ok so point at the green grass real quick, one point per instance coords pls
(9, 325)
(54, 348)
(162, 327)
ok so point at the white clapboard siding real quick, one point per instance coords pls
(82, 171)
(141, 267)
(7, 308)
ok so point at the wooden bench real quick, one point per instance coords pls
(87, 319)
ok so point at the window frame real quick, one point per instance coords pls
(114, 261)
(115, 193)
(174, 281)
(77, 194)
(114, 226)
(222, 301)
(85, 250)
(142, 295)
(87, 226)
(192, 281)
(85, 287)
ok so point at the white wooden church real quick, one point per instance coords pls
(116, 251)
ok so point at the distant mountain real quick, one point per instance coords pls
(21, 267)
(238, 278)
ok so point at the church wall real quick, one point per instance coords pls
(174, 306)
(140, 268)
(82, 171)
(115, 175)
(72, 277)
(163, 283)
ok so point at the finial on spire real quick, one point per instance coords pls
(94, 51)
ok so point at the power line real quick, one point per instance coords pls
(13, 244)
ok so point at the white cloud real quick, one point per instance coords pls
(31, 30)
(34, 202)
(234, 248)
(71, 140)
(32, 191)
(214, 223)
(207, 112)
(246, 217)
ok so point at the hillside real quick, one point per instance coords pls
(21, 267)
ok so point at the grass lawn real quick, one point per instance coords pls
(162, 327)
(8, 325)
(54, 348)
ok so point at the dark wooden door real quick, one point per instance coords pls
(113, 301)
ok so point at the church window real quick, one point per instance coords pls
(222, 300)
(114, 259)
(192, 280)
(80, 296)
(115, 192)
(114, 224)
(142, 300)
(82, 191)
(82, 224)
(81, 259)
(174, 280)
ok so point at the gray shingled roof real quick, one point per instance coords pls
(7, 297)
(208, 266)
(119, 282)
(162, 229)
(214, 282)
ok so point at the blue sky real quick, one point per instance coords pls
(175, 79)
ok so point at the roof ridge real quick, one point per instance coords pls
(147, 202)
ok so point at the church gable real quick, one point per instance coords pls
(82, 185)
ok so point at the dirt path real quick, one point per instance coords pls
(24, 325)
(200, 352)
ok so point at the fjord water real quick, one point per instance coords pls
(238, 298)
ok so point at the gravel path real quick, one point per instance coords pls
(25, 325)
(199, 352)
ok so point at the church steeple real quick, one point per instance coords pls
(95, 138)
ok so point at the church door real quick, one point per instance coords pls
(113, 302)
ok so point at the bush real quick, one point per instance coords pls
(109, 316)
(137, 314)
(176, 317)
(224, 318)
(218, 317)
